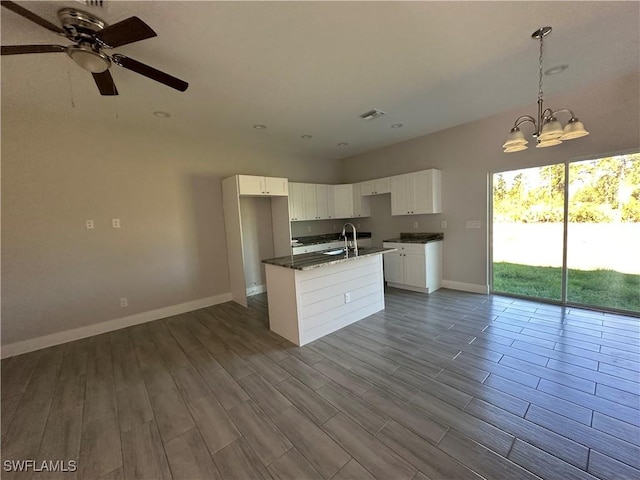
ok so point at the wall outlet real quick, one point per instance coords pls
(115, 222)
(335, 227)
(124, 302)
(89, 224)
(443, 224)
(309, 229)
(347, 297)
(358, 225)
(415, 224)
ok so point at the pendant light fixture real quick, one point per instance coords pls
(548, 130)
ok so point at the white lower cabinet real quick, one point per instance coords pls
(414, 266)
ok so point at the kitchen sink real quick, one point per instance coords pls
(334, 252)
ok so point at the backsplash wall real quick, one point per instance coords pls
(316, 227)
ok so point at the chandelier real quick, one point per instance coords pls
(548, 130)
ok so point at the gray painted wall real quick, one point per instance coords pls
(58, 172)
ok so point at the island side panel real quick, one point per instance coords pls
(283, 305)
(323, 307)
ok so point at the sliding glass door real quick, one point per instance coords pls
(528, 216)
(569, 233)
(603, 233)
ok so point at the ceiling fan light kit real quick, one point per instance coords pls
(548, 130)
(91, 36)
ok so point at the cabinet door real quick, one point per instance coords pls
(382, 185)
(393, 267)
(414, 270)
(310, 201)
(368, 188)
(322, 202)
(399, 195)
(250, 185)
(331, 201)
(423, 192)
(361, 205)
(275, 186)
(296, 201)
(343, 201)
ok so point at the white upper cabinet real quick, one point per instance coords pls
(376, 187)
(310, 201)
(296, 202)
(277, 187)
(416, 193)
(343, 201)
(268, 186)
(361, 204)
(322, 202)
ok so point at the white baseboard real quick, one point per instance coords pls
(109, 326)
(256, 289)
(466, 287)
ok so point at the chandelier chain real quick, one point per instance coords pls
(540, 71)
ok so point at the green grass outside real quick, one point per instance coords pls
(603, 288)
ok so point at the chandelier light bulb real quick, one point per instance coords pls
(573, 129)
(551, 129)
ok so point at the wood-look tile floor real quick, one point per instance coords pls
(445, 386)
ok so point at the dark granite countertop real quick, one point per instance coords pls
(307, 261)
(325, 238)
(417, 238)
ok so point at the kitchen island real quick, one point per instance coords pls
(314, 294)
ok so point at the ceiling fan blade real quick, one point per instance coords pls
(127, 31)
(14, 7)
(20, 49)
(105, 84)
(150, 72)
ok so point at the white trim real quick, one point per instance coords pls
(466, 287)
(108, 326)
(256, 289)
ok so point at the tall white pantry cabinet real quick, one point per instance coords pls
(276, 190)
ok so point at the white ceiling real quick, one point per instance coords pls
(314, 67)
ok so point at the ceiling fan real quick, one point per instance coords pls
(91, 36)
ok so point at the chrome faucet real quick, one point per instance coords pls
(346, 242)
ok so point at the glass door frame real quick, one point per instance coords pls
(565, 226)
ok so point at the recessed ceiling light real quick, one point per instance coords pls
(343, 144)
(397, 125)
(259, 127)
(306, 137)
(555, 70)
(161, 114)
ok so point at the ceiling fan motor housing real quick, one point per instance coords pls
(80, 26)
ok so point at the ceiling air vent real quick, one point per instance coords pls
(371, 114)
